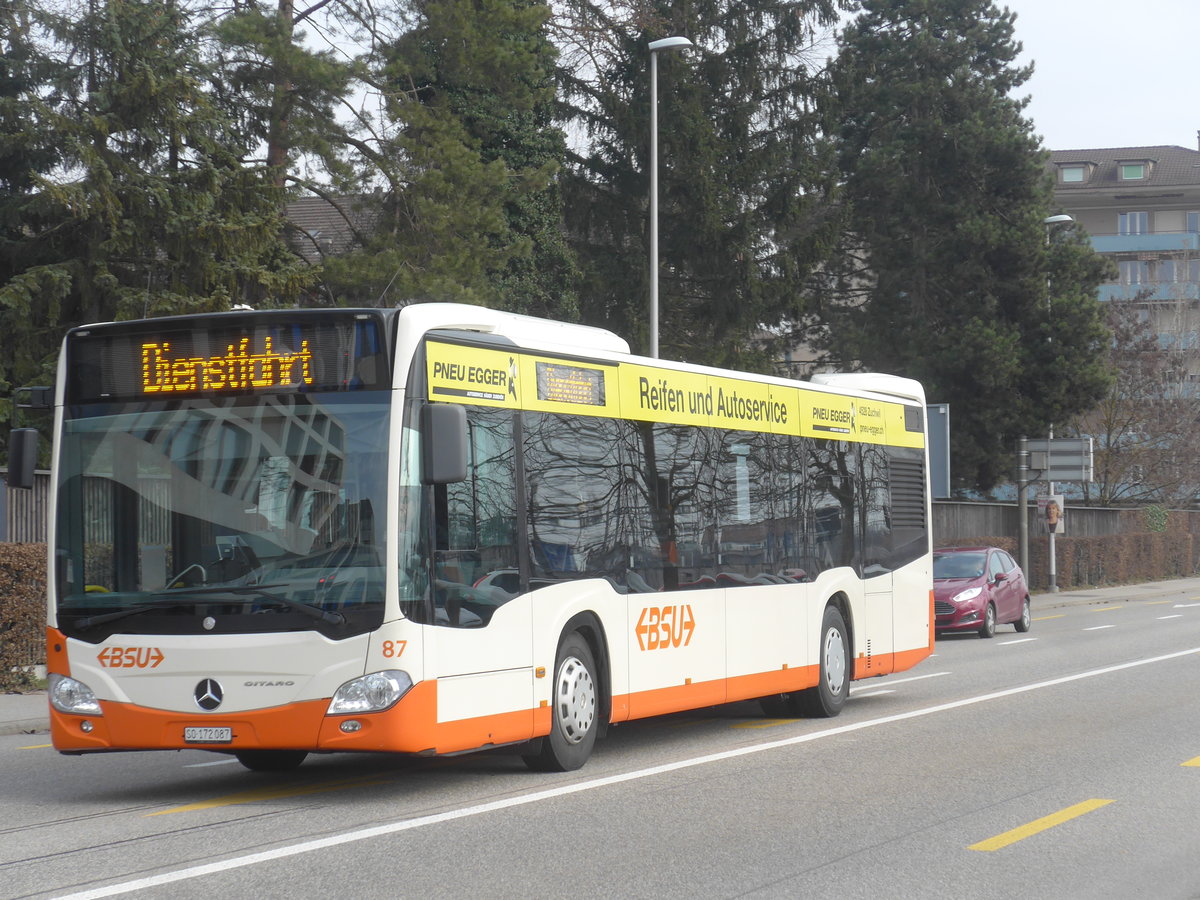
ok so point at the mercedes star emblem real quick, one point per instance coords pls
(208, 694)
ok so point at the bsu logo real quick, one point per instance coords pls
(662, 627)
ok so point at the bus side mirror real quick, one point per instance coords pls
(22, 457)
(443, 443)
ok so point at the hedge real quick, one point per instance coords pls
(1113, 559)
(22, 614)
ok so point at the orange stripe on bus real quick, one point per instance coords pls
(411, 726)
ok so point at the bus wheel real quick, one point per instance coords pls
(829, 696)
(573, 726)
(271, 760)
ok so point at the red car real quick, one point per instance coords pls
(977, 588)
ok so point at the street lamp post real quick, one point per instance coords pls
(1052, 563)
(655, 46)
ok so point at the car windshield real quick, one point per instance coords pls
(958, 565)
(257, 513)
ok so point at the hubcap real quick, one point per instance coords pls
(835, 660)
(576, 700)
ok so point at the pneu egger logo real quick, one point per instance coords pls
(663, 627)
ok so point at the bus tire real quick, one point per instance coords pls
(271, 760)
(574, 706)
(833, 687)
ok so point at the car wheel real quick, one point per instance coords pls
(988, 628)
(575, 703)
(1022, 624)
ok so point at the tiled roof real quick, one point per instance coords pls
(1170, 166)
(326, 228)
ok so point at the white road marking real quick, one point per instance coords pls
(1176, 616)
(1015, 641)
(891, 681)
(875, 693)
(1099, 627)
(217, 762)
(363, 834)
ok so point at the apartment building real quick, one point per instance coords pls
(1141, 207)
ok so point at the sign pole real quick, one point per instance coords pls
(1023, 504)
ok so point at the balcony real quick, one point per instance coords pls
(1151, 291)
(1162, 242)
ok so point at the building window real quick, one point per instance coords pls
(1133, 171)
(1134, 271)
(1133, 223)
(1193, 222)
(1071, 174)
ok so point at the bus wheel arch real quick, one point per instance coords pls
(581, 698)
(835, 664)
(821, 701)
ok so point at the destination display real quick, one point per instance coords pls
(526, 380)
(227, 354)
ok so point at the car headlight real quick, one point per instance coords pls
(71, 696)
(968, 594)
(370, 693)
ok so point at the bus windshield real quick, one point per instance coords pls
(223, 514)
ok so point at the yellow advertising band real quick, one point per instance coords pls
(516, 380)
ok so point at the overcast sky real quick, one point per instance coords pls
(1111, 74)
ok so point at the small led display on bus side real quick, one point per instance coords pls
(223, 354)
(570, 384)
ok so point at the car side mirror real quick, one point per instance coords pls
(1001, 576)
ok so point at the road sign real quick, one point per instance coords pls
(1060, 459)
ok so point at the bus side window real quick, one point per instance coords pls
(475, 529)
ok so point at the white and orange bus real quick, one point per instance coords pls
(444, 528)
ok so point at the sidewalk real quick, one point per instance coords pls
(28, 714)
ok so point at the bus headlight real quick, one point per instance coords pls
(370, 693)
(71, 696)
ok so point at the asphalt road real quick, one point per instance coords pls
(1061, 763)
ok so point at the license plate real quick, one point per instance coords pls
(207, 735)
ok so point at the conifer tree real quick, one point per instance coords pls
(744, 212)
(469, 207)
(946, 263)
(138, 202)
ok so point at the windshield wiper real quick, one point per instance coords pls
(89, 621)
(333, 618)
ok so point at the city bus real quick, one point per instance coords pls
(441, 529)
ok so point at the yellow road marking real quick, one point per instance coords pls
(763, 723)
(1039, 825)
(269, 793)
(1192, 762)
(1158, 602)
(1107, 608)
(1044, 618)
(36, 747)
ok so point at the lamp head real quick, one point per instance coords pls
(668, 43)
